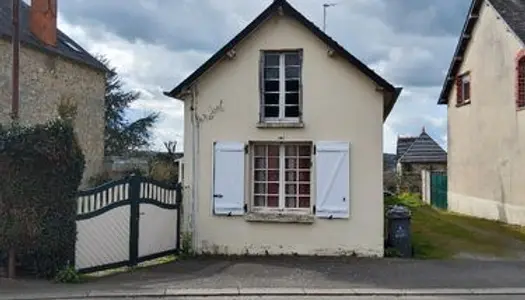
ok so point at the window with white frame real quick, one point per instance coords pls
(281, 86)
(281, 176)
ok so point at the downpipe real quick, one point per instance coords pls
(194, 165)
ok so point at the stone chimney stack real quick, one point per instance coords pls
(43, 21)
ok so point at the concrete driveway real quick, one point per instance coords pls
(296, 273)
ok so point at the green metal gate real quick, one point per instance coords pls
(438, 190)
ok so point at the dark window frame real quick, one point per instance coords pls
(464, 88)
(520, 82)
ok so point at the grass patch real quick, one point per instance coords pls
(440, 234)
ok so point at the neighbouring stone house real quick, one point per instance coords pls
(484, 92)
(53, 68)
(415, 154)
(283, 141)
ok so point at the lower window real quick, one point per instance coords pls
(281, 176)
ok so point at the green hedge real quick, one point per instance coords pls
(43, 165)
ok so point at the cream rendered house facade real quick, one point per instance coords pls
(283, 144)
(485, 94)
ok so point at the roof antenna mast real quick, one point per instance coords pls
(325, 6)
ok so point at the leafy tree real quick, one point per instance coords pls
(121, 135)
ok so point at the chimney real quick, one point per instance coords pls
(43, 21)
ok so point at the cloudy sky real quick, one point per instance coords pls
(156, 43)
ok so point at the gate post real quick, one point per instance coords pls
(134, 195)
(178, 199)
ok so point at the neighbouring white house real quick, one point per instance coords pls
(485, 96)
(283, 143)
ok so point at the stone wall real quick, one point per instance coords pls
(45, 80)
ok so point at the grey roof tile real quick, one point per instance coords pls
(403, 143)
(424, 150)
(65, 47)
(513, 12)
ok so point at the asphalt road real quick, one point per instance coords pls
(520, 297)
(300, 273)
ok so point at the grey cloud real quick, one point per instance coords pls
(425, 17)
(420, 64)
(415, 111)
(176, 24)
(368, 29)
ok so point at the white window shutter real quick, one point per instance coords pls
(228, 178)
(332, 163)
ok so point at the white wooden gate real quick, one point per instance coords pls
(126, 222)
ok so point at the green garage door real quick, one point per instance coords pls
(438, 190)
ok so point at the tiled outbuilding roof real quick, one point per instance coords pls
(421, 149)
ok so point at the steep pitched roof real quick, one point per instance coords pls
(512, 12)
(423, 150)
(65, 47)
(403, 143)
(287, 9)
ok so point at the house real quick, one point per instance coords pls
(417, 153)
(484, 91)
(53, 69)
(283, 140)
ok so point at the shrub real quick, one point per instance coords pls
(162, 170)
(41, 169)
(68, 275)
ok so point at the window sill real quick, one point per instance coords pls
(520, 108)
(279, 218)
(280, 125)
(463, 104)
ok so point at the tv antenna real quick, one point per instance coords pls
(325, 7)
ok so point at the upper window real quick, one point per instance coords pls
(520, 93)
(463, 88)
(281, 86)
